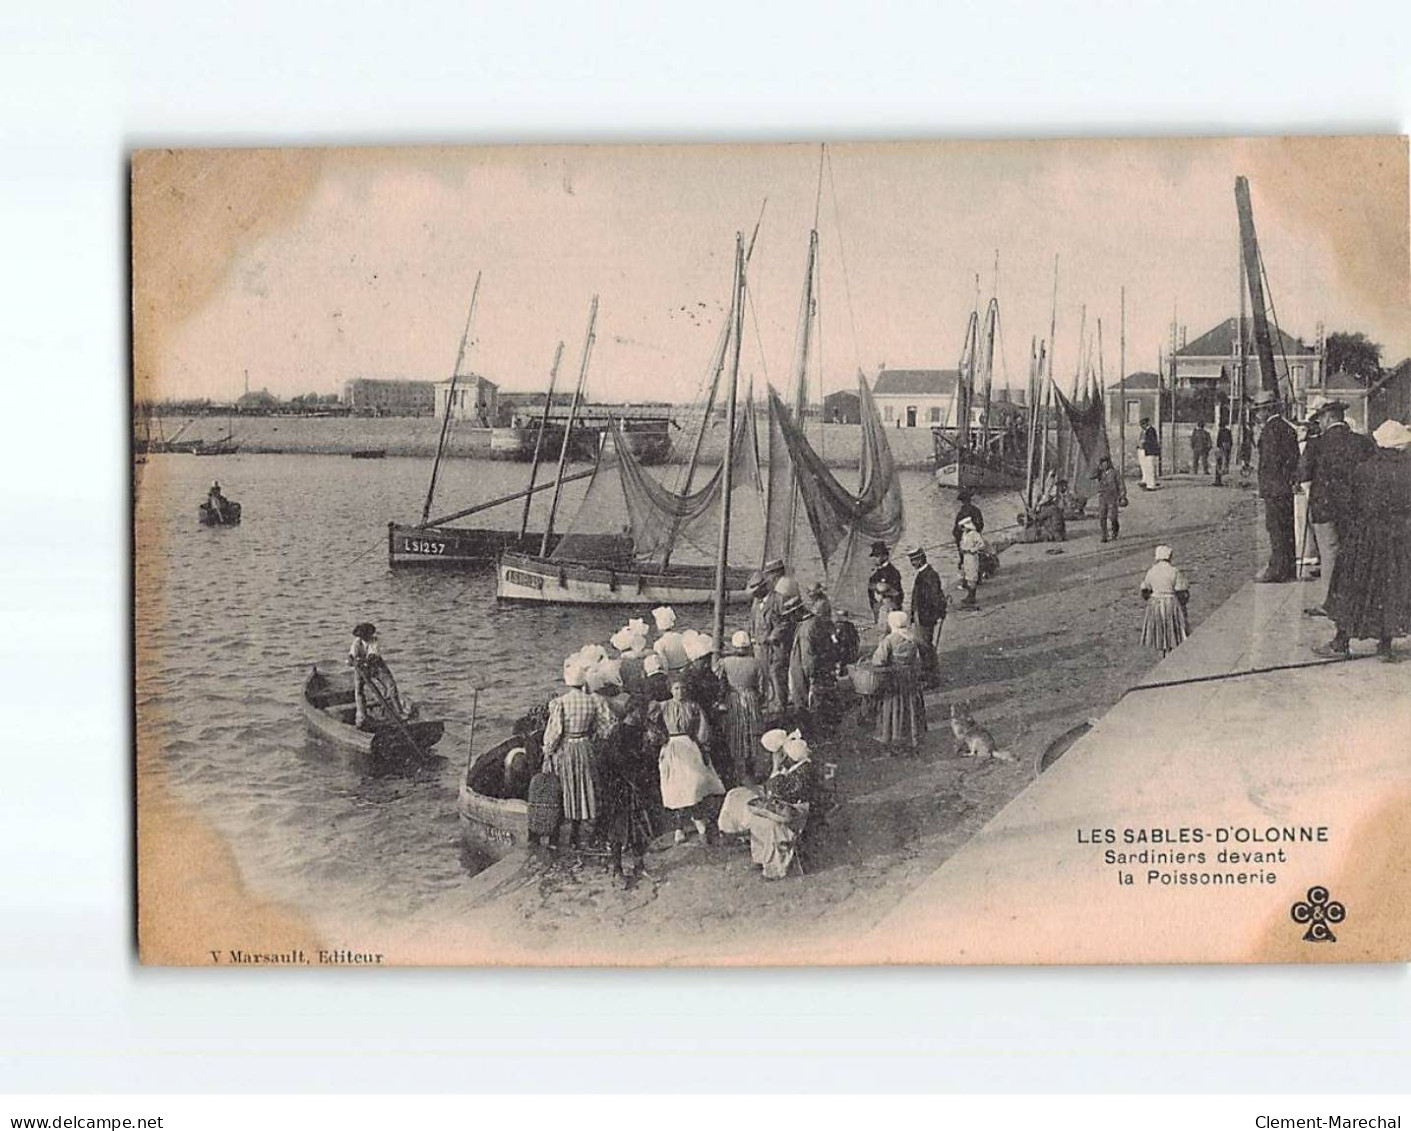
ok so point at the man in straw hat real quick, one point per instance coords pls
(1329, 461)
(1278, 475)
(1370, 596)
(1148, 452)
(764, 611)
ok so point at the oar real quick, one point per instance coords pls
(391, 711)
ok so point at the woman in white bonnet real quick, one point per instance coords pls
(901, 713)
(743, 681)
(777, 820)
(1165, 591)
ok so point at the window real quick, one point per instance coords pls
(1134, 411)
(935, 414)
(887, 412)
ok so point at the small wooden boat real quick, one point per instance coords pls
(328, 707)
(369, 453)
(229, 517)
(495, 826)
(479, 546)
(525, 577)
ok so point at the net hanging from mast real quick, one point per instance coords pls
(844, 524)
(1086, 429)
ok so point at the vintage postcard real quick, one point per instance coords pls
(784, 554)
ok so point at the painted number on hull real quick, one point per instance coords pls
(528, 580)
(420, 546)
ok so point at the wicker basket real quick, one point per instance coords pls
(870, 680)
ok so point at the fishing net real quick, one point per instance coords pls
(624, 497)
(1082, 437)
(845, 524)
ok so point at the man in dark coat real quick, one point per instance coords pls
(1200, 449)
(1278, 475)
(1148, 453)
(1329, 461)
(928, 603)
(1110, 492)
(885, 578)
(1224, 445)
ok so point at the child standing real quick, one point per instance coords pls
(972, 546)
(1166, 593)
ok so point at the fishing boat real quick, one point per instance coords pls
(329, 709)
(369, 453)
(435, 541)
(649, 437)
(528, 577)
(971, 451)
(229, 516)
(495, 826)
(462, 546)
(221, 446)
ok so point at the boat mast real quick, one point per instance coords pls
(1122, 393)
(807, 312)
(1268, 378)
(723, 552)
(539, 439)
(1031, 395)
(991, 329)
(450, 397)
(568, 429)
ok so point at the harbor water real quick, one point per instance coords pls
(230, 619)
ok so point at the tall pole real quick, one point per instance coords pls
(539, 439)
(728, 482)
(450, 396)
(1122, 392)
(1031, 395)
(568, 429)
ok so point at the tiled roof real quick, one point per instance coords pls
(915, 382)
(1220, 342)
(1138, 381)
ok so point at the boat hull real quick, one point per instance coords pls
(976, 475)
(327, 706)
(209, 517)
(649, 441)
(494, 826)
(473, 547)
(529, 579)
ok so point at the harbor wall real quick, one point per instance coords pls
(417, 436)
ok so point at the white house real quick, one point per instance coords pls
(915, 398)
(475, 400)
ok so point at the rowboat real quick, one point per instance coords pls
(529, 578)
(329, 709)
(478, 546)
(495, 826)
(230, 517)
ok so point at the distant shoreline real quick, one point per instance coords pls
(417, 437)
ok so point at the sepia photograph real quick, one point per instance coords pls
(859, 553)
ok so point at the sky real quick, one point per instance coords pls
(309, 267)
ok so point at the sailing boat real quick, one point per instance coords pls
(660, 520)
(973, 451)
(433, 541)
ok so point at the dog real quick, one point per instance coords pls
(973, 740)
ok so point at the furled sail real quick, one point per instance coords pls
(845, 524)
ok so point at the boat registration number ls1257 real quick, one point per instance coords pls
(423, 546)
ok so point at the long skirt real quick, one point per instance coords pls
(1165, 623)
(774, 841)
(735, 812)
(744, 723)
(685, 777)
(901, 712)
(1370, 594)
(573, 762)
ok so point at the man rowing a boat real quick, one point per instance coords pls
(375, 693)
(216, 501)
